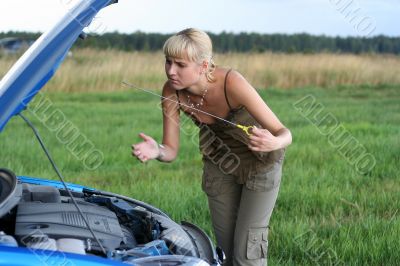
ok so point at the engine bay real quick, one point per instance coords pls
(44, 217)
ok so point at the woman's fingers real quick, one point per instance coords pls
(257, 132)
(137, 151)
(144, 150)
(144, 137)
(254, 144)
(141, 157)
(261, 142)
(254, 147)
(255, 138)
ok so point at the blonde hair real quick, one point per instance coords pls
(194, 45)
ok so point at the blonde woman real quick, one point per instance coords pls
(241, 172)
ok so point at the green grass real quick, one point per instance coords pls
(327, 213)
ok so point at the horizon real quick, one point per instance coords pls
(234, 33)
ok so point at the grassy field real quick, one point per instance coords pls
(327, 213)
(92, 70)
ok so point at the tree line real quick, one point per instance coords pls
(240, 42)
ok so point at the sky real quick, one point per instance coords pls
(364, 18)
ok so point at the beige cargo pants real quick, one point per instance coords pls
(240, 213)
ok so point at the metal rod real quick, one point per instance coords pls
(182, 104)
(63, 182)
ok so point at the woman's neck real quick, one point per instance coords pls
(199, 87)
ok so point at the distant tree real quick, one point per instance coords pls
(241, 42)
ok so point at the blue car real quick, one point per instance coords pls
(46, 222)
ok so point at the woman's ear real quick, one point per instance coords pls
(204, 67)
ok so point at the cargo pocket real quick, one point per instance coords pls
(265, 178)
(257, 243)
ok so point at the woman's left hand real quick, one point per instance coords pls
(262, 140)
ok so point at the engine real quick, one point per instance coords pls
(46, 218)
(63, 221)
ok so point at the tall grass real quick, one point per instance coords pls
(103, 70)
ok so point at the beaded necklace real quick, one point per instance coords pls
(196, 106)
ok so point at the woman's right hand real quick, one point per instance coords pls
(145, 150)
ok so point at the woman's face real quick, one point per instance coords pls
(182, 73)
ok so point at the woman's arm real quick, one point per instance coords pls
(171, 128)
(149, 149)
(273, 135)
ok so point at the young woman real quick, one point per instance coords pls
(242, 172)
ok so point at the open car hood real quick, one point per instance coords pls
(39, 63)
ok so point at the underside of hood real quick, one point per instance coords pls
(39, 63)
